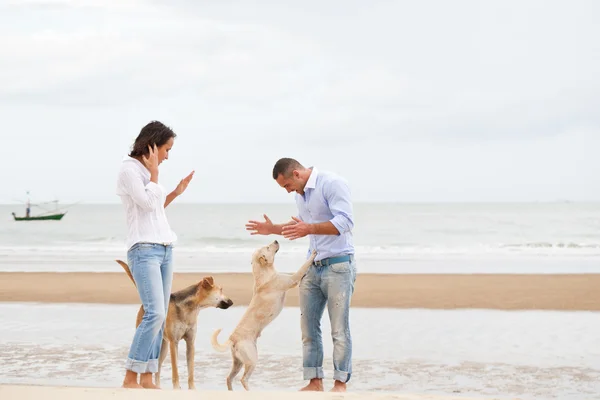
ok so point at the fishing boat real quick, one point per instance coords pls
(48, 215)
(56, 217)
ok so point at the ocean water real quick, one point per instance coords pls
(506, 354)
(389, 238)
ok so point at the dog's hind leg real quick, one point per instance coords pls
(175, 376)
(249, 356)
(248, 369)
(161, 358)
(189, 355)
(235, 369)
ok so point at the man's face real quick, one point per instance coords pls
(291, 183)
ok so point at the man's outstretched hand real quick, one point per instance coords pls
(260, 228)
(297, 230)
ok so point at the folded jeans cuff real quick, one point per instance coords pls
(341, 376)
(142, 367)
(313, 373)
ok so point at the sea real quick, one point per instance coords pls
(388, 238)
(470, 353)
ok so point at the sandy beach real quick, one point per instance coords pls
(439, 336)
(443, 291)
(70, 393)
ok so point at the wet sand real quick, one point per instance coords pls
(434, 291)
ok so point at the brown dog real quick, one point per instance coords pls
(182, 317)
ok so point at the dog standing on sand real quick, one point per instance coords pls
(181, 323)
(270, 288)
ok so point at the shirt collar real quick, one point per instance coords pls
(137, 162)
(312, 179)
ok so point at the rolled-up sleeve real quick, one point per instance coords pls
(338, 196)
(147, 197)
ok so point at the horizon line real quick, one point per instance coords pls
(71, 203)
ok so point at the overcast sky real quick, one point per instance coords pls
(410, 101)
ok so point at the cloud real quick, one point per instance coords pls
(448, 89)
(407, 75)
(150, 52)
(96, 4)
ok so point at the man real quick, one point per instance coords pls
(325, 215)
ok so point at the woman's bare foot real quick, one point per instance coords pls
(146, 381)
(130, 381)
(315, 385)
(338, 387)
(132, 385)
(149, 385)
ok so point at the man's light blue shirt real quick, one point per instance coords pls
(327, 198)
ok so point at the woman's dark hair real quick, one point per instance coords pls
(154, 133)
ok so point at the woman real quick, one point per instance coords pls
(149, 242)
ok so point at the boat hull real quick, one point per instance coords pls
(52, 217)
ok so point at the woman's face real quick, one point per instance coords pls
(163, 151)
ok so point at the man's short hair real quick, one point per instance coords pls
(285, 166)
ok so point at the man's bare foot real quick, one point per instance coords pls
(338, 387)
(315, 385)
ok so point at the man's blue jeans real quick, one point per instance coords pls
(152, 269)
(332, 285)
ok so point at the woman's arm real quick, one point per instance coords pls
(146, 197)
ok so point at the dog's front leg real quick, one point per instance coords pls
(173, 350)
(190, 338)
(294, 280)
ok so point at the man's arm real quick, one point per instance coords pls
(267, 227)
(323, 228)
(277, 228)
(337, 194)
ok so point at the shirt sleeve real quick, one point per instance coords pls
(147, 197)
(337, 193)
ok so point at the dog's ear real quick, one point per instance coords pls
(208, 283)
(262, 260)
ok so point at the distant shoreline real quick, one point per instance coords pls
(371, 202)
(568, 292)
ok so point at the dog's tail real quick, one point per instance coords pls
(215, 343)
(127, 270)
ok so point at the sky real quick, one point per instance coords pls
(422, 101)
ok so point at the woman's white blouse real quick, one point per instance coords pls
(144, 203)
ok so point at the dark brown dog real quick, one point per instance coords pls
(182, 318)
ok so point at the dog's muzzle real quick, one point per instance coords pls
(225, 304)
